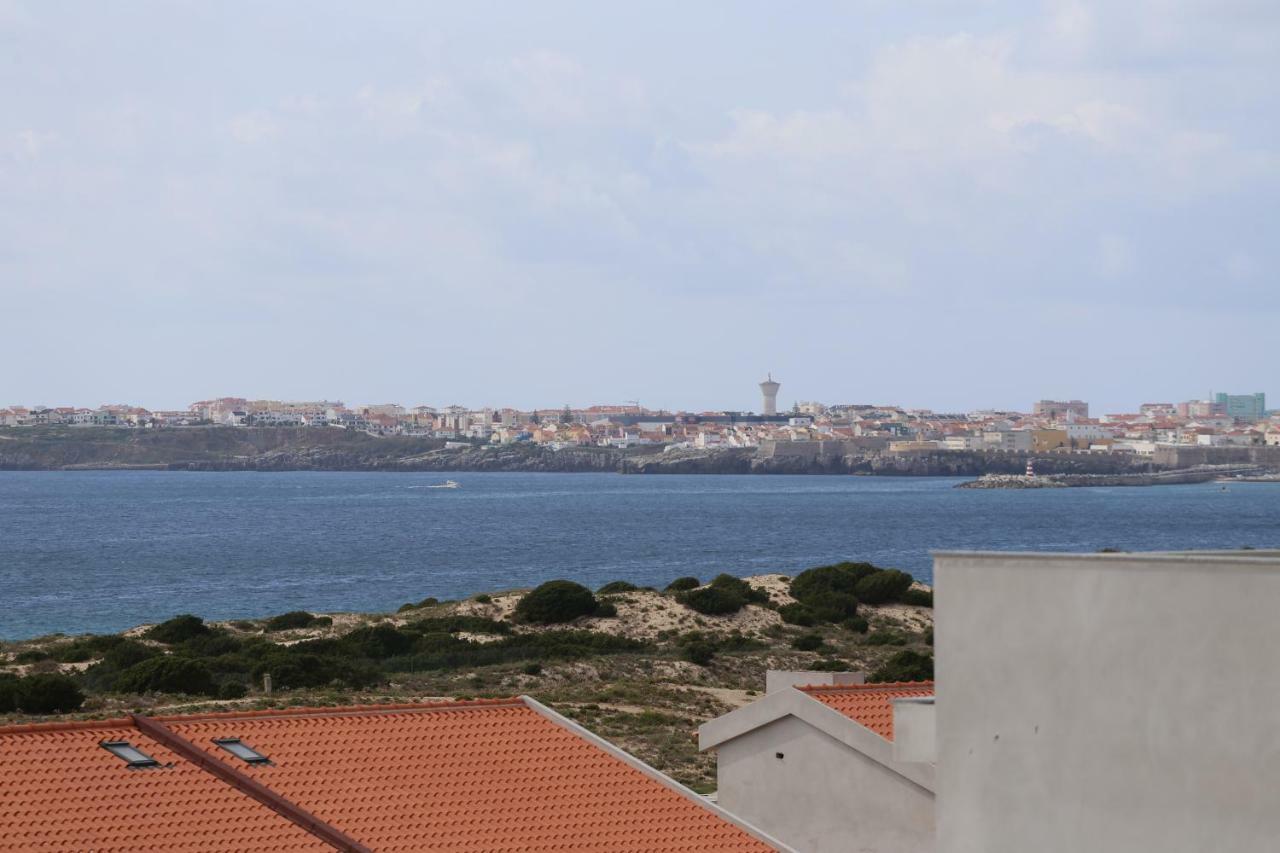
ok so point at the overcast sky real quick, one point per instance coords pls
(940, 204)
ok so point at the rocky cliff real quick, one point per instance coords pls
(300, 449)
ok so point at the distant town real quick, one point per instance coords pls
(1224, 420)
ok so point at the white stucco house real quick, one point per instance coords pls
(815, 766)
(1108, 703)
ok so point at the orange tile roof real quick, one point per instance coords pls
(60, 790)
(495, 775)
(869, 704)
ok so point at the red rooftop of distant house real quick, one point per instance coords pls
(869, 704)
(493, 775)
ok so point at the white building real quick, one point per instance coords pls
(964, 442)
(1108, 703)
(815, 767)
(1014, 440)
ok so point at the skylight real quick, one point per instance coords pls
(131, 755)
(242, 750)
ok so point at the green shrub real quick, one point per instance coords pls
(881, 587)
(857, 624)
(807, 642)
(736, 641)
(740, 587)
(797, 614)
(834, 606)
(828, 591)
(232, 690)
(215, 642)
(606, 610)
(700, 652)
(614, 587)
(712, 600)
(293, 667)
(885, 638)
(445, 652)
(128, 653)
(178, 629)
(482, 598)
(8, 692)
(725, 594)
(85, 648)
(31, 656)
(168, 674)
(683, 584)
(377, 641)
(453, 624)
(906, 665)
(830, 665)
(812, 584)
(917, 597)
(556, 602)
(289, 621)
(48, 693)
(532, 669)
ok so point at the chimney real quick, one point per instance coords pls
(915, 730)
(780, 679)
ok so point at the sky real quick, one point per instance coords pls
(940, 204)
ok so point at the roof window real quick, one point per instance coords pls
(241, 750)
(130, 754)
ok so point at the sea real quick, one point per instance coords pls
(98, 551)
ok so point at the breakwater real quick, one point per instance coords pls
(1184, 476)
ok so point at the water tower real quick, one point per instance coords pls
(769, 389)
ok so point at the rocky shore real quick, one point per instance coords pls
(300, 449)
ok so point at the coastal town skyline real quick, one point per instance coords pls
(1222, 421)
(1213, 402)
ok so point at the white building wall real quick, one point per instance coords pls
(821, 796)
(1108, 703)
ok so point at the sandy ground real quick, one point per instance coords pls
(642, 615)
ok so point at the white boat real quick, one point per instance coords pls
(447, 484)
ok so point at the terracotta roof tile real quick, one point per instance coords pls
(493, 775)
(869, 704)
(60, 790)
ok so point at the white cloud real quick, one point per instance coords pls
(254, 127)
(400, 108)
(29, 144)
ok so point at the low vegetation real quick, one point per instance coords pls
(296, 619)
(556, 602)
(637, 665)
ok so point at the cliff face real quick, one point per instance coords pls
(302, 449)
(873, 462)
(275, 449)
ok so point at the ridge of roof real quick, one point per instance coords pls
(248, 786)
(299, 711)
(343, 710)
(66, 726)
(868, 688)
(810, 708)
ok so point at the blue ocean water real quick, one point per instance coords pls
(103, 551)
